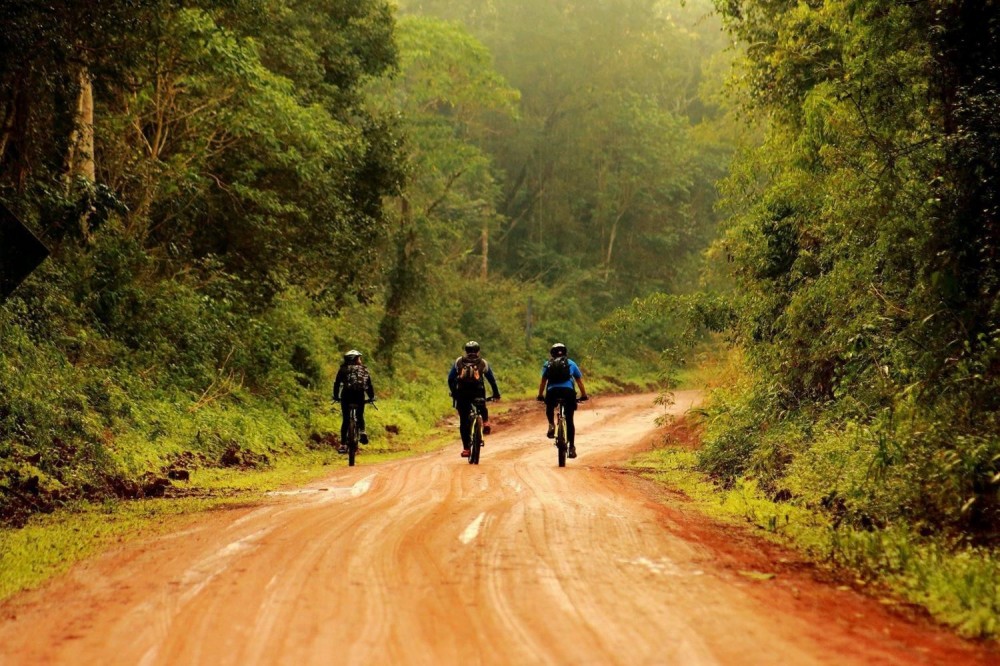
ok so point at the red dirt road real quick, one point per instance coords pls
(434, 561)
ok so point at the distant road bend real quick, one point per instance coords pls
(434, 561)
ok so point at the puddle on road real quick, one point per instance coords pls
(329, 494)
(472, 531)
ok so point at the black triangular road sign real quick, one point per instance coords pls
(20, 252)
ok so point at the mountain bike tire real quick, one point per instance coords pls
(561, 442)
(352, 441)
(477, 441)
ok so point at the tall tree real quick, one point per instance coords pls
(449, 92)
(865, 247)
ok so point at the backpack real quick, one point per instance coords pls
(356, 378)
(557, 370)
(468, 373)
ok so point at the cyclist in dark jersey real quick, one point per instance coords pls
(350, 387)
(560, 375)
(466, 383)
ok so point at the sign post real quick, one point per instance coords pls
(20, 252)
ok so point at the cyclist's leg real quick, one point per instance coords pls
(484, 408)
(570, 407)
(464, 404)
(345, 414)
(568, 396)
(484, 411)
(551, 400)
(362, 435)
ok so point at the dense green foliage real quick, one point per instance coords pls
(235, 192)
(864, 238)
(609, 171)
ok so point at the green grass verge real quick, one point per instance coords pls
(957, 583)
(51, 543)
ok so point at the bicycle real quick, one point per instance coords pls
(562, 444)
(476, 423)
(352, 430)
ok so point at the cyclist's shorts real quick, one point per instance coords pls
(567, 395)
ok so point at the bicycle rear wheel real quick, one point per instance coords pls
(352, 440)
(561, 441)
(476, 440)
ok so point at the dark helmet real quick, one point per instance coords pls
(558, 349)
(352, 357)
(471, 347)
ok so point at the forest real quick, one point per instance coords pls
(235, 192)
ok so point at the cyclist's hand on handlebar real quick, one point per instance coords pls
(540, 398)
(496, 398)
(583, 398)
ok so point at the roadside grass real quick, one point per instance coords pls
(712, 364)
(49, 544)
(958, 584)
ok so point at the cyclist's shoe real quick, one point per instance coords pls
(487, 427)
(342, 448)
(363, 437)
(466, 453)
(572, 451)
(551, 432)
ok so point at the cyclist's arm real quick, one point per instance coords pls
(452, 376)
(337, 383)
(370, 389)
(493, 382)
(541, 387)
(583, 389)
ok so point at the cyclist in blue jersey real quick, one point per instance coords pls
(560, 376)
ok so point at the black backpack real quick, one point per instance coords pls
(468, 373)
(557, 370)
(356, 378)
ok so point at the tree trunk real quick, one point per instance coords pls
(80, 155)
(485, 266)
(7, 127)
(611, 246)
(401, 286)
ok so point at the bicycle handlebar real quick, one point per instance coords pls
(582, 398)
(367, 402)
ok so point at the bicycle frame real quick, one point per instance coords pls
(352, 433)
(560, 424)
(476, 424)
(352, 430)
